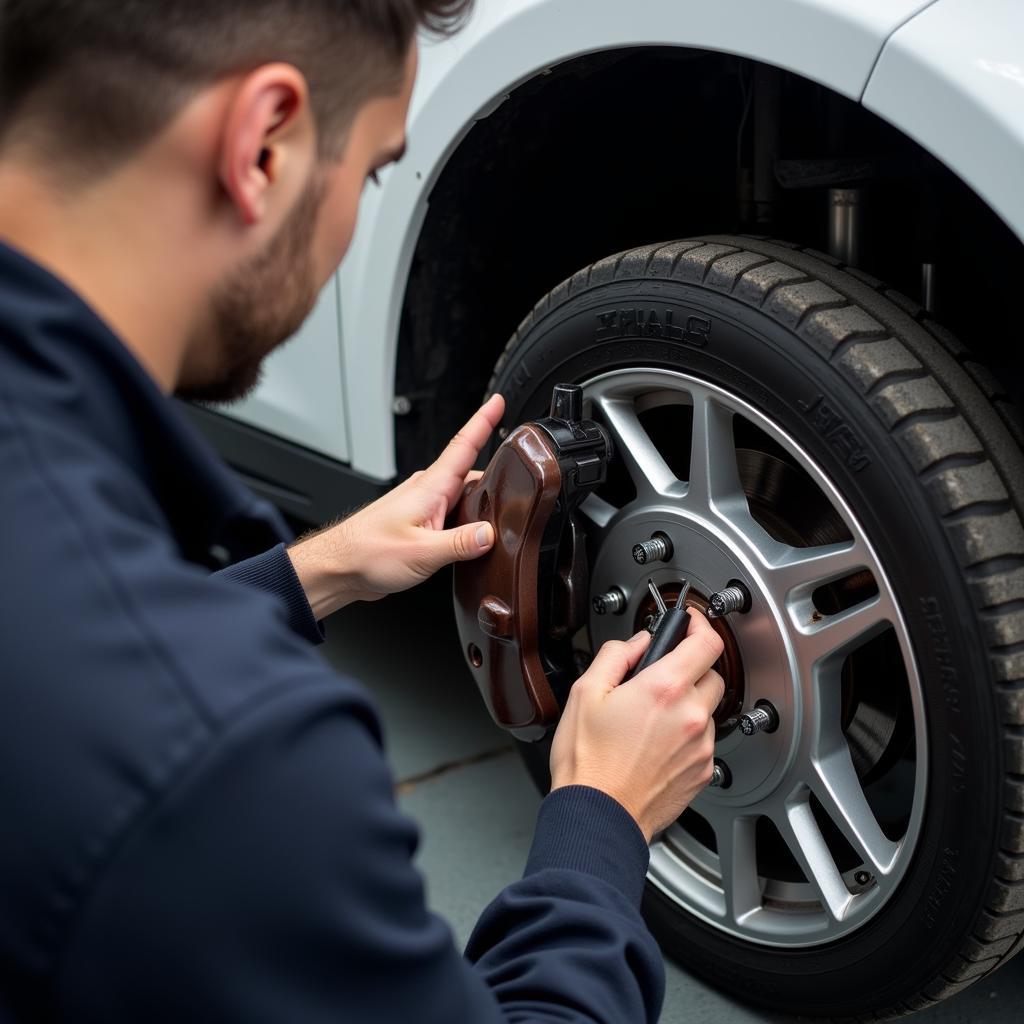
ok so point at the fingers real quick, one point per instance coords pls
(710, 689)
(701, 647)
(700, 627)
(691, 659)
(709, 745)
(464, 449)
(614, 661)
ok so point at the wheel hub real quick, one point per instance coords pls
(708, 560)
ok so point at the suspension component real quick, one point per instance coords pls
(657, 549)
(612, 602)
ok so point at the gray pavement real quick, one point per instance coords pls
(459, 777)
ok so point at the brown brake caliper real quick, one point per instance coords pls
(518, 607)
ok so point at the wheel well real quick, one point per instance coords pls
(617, 149)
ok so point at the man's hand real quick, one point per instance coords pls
(649, 744)
(400, 539)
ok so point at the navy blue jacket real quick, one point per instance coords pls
(196, 819)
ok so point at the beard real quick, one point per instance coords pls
(257, 308)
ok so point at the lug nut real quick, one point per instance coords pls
(721, 777)
(657, 549)
(761, 718)
(611, 603)
(732, 599)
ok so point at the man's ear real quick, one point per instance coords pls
(268, 138)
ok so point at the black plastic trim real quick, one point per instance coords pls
(304, 484)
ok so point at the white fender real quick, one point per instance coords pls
(953, 80)
(834, 42)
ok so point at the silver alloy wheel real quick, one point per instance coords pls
(793, 656)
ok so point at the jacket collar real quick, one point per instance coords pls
(56, 353)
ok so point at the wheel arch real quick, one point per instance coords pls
(507, 44)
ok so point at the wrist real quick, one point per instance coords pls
(322, 561)
(604, 786)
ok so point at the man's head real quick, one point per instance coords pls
(262, 118)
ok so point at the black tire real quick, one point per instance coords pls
(939, 484)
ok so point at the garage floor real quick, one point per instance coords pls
(459, 777)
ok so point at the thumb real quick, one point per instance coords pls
(464, 543)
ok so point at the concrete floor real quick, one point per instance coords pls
(459, 777)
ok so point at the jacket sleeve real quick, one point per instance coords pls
(570, 935)
(274, 883)
(273, 572)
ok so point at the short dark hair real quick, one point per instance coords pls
(89, 82)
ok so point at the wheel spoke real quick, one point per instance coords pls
(737, 855)
(799, 571)
(831, 776)
(714, 482)
(648, 470)
(597, 513)
(805, 841)
(834, 782)
(819, 637)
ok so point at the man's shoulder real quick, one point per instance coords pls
(90, 559)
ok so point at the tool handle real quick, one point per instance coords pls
(669, 633)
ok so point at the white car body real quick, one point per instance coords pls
(949, 74)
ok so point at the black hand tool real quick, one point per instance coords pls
(668, 628)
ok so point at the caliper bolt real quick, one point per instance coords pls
(721, 777)
(760, 718)
(657, 549)
(613, 602)
(733, 598)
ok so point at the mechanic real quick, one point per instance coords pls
(198, 822)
